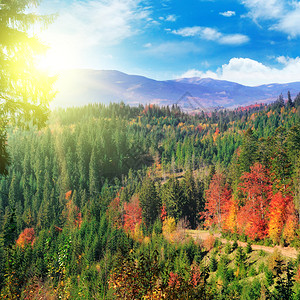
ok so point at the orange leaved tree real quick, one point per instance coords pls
(217, 197)
(26, 237)
(256, 192)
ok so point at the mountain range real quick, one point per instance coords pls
(83, 86)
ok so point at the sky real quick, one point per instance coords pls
(251, 42)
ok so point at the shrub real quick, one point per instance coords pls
(262, 253)
(209, 243)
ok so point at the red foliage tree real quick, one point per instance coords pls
(72, 214)
(68, 195)
(277, 215)
(174, 280)
(217, 198)
(132, 214)
(291, 224)
(163, 213)
(256, 191)
(26, 237)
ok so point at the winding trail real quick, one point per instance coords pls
(285, 251)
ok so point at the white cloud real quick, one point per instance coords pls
(189, 31)
(264, 9)
(212, 34)
(171, 18)
(99, 22)
(250, 72)
(83, 25)
(283, 59)
(285, 15)
(289, 23)
(234, 39)
(228, 13)
(174, 48)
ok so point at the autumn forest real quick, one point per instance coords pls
(100, 204)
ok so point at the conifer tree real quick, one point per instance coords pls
(248, 151)
(149, 201)
(190, 200)
(172, 196)
(289, 102)
(93, 175)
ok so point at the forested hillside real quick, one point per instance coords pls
(96, 204)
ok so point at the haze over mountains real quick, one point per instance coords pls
(82, 86)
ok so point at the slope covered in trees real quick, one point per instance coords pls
(89, 197)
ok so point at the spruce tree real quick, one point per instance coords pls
(149, 201)
(289, 102)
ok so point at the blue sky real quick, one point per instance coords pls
(248, 41)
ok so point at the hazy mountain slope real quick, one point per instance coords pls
(79, 87)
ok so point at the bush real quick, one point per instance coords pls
(209, 243)
(268, 242)
(262, 253)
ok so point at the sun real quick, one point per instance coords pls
(59, 56)
(56, 59)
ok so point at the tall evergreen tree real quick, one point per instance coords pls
(149, 201)
(190, 200)
(248, 151)
(171, 195)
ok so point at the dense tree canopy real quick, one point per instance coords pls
(103, 189)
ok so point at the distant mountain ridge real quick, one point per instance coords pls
(83, 86)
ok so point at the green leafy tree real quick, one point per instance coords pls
(25, 91)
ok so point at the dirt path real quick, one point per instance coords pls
(285, 251)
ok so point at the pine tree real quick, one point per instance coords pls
(172, 195)
(248, 151)
(289, 102)
(190, 200)
(149, 201)
(93, 176)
